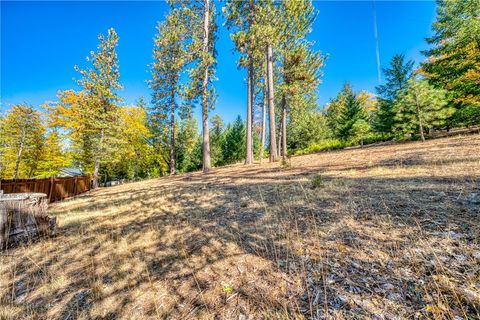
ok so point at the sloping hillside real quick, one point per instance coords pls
(380, 232)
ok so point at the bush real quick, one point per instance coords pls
(324, 146)
(372, 138)
(317, 181)
(335, 144)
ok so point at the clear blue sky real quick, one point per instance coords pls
(42, 41)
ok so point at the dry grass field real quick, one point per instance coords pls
(382, 232)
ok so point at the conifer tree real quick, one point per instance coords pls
(234, 145)
(307, 126)
(267, 31)
(301, 66)
(263, 131)
(101, 82)
(187, 141)
(217, 139)
(170, 58)
(396, 77)
(421, 107)
(454, 60)
(351, 112)
(333, 112)
(200, 17)
(241, 15)
(360, 130)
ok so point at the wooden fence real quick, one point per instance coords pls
(55, 188)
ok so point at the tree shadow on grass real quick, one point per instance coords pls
(262, 243)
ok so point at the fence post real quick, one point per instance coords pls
(52, 183)
(75, 186)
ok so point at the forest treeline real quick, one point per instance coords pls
(91, 128)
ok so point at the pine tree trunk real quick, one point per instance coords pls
(284, 129)
(19, 155)
(264, 122)
(420, 124)
(172, 136)
(96, 168)
(250, 94)
(279, 143)
(206, 138)
(271, 105)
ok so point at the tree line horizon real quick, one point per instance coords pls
(91, 130)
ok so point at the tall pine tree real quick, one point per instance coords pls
(300, 64)
(101, 82)
(201, 18)
(170, 58)
(241, 16)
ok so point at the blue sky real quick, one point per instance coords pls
(42, 41)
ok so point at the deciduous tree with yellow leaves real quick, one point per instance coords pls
(21, 135)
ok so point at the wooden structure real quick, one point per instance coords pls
(55, 188)
(23, 217)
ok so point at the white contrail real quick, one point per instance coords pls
(375, 31)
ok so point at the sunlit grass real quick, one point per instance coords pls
(390, 231)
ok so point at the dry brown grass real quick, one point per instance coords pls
(389, 232)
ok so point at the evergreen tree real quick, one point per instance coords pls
(241, 15)
(267, 30)
(421, 107)
(234, 144)
(188, 145)
(307, 126)
(333, 113)
(217, 139)
(170, 58)
(351, 113)
(454, 60)
(200, 15)
(360, 129)
(343, 111)
(301, 66)
(396, 76)
(101, 83)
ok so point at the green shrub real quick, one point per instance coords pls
(317, 181)
(286, 163)
(324, 146)
(335, 144)
(370, 138)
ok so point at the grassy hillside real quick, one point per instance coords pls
(379, 232)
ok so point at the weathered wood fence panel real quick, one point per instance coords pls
(55, 188)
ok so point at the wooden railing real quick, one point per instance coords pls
(55, 188)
